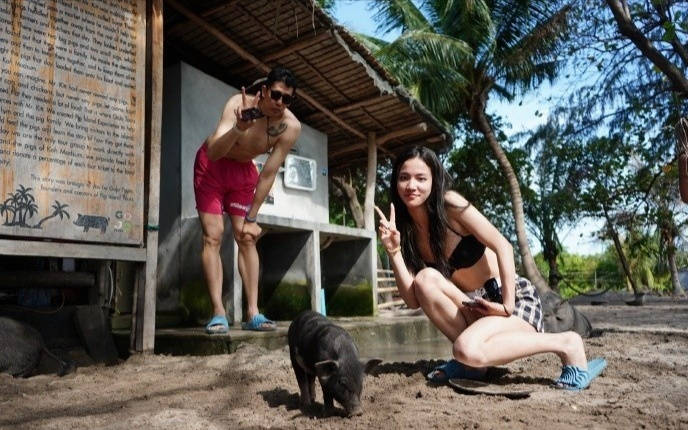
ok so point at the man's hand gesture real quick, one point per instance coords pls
(389, 235)
(245, 104)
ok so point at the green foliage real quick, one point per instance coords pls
(585, 274)
(449, 52)
(350, 300)
(481, 181)
(326, 5)
(551, 205)
(287, 300)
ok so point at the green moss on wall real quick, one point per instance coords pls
(287, 300)
(195, 303)
(350, 300)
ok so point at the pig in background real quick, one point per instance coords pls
(21, 349)
(318, 347)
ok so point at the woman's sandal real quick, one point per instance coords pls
(575, 378)
(452, 369)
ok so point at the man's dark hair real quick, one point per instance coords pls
(281, 74)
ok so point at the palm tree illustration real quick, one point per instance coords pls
(11, 205)
(5, 209)
(58, 210)
(26, 205)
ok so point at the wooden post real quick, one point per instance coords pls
(143, 324)
(368, 211)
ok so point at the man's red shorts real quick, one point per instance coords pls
(223, 184)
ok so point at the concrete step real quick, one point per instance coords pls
(368, 333)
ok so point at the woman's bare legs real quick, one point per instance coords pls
(487, 341)
(441, 301)
(498, 340)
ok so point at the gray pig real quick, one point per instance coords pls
(21, 347)
(318, 347)
(92, 221)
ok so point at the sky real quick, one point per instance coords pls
(524, 114)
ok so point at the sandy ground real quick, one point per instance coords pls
(645, 386)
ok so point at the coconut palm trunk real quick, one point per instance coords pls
(481, 123)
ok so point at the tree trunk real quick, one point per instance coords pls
(675, 283)
(483, 125)
(352, 199)
(554, 275)
(620, 252)
(627, 28)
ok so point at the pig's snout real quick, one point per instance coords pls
(354, 411)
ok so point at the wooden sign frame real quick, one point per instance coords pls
(143, 313)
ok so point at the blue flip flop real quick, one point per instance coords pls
(217, 325)
(452, 369)
(259, 323)
(574, 378)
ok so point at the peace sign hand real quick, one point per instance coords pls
(242, 124)
(389, 235)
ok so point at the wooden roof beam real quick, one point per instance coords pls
(303, 43)
(351, 106)
(178, 27)
(421, 127)
(358, 104)
(257, 63)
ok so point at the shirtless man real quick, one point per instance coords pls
(227, 180)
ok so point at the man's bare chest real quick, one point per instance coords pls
(260, 139)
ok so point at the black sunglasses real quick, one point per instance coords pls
(287, 99)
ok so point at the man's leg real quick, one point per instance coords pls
(248, 267)
(213, 228)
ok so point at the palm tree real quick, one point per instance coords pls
(453, 55)
(25, 205)
(11, 205)
(5, 209)
(58, 210)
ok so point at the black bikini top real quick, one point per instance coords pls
(467, 252)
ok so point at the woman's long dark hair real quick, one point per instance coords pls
(441, 183)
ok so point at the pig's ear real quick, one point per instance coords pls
(325, 369)
(369, 365)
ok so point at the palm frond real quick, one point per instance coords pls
(531, 59)
(536, 42)
(428, 46)
(468, 20)
(503, 93)
(373, 44)
(399, 14)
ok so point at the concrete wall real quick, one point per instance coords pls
(193, 103)
(289, 251)
(202, 101)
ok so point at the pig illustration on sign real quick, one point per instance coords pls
(21, 348)
(92, 221)
(318, 347)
